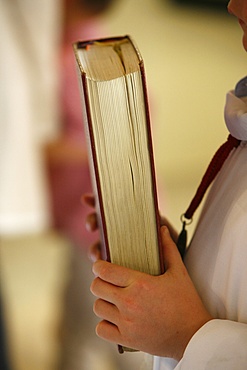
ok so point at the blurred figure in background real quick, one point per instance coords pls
(67, 155)
(40, 104)
(69, 178)
(28, 112)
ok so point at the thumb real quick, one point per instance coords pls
(170, 252)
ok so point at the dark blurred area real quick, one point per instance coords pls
(210, 4)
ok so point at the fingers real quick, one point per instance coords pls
(108, 331)
(89, 199)
(94, 252)
(114, 274)
(106, 311)
(171, 254)
(104, 290)
(164, 222)
(91, 222)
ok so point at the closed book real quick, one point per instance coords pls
(117, 124)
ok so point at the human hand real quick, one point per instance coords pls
(154, 314)
(92, 225)
(94, 252)
(165, 222)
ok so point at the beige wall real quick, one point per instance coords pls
(192, 57)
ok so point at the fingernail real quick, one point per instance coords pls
(91, 258)
(165, 230)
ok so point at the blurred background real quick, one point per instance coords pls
(193, 55)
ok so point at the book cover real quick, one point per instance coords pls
(117, 124)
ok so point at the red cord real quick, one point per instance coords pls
(211, 172)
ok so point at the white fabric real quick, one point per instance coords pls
(164, 363)
(216, 261)
(218, 345)
(28, 110)
(236, 116)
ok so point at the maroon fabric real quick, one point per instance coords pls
(212, 170)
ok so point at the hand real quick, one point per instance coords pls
(154, 314)
(91, 221)
(94, 252)
(92, 225)
(164, 222)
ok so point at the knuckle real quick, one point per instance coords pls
(104, 269)
(143, 284)
(130, 303)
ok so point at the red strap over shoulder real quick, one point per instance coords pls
(211, 172)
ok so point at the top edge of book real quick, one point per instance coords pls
(107, 58)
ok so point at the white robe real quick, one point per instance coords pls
(216, 261)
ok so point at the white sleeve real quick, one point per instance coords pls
(218, 345)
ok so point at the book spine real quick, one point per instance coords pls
(151, 154)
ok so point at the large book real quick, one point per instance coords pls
(117, 124)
